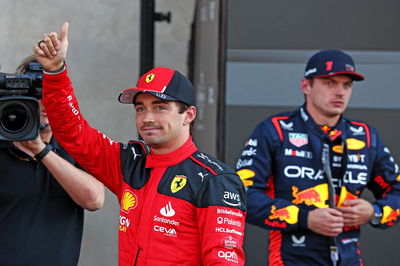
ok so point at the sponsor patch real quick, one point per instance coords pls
(228, 231)
(357, 131)
(249, 152)
(316, 196)
(286, 126)
(150, 77)
(298, 153)
(303, 114)
(230, 212)
(129, 201)
(178, 183)
(228, 221)
(229, 242)
(389, 216)
(230, 256)
(251, 142)
(167, 211)
(231, 199)
(288, 214)
(124, 223)
(338, 149)
(298, 242)
(246, 175)
(355, 144)
(244, 163)
(347, 241)
(168, 231)
(298, 139)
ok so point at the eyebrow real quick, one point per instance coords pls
(153, 102)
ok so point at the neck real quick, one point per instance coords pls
(167, 148)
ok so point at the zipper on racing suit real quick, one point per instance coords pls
(137, 256)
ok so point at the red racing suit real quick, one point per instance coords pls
(181, 208)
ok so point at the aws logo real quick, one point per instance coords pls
(178, 183)
(129, 201)
(150, 78)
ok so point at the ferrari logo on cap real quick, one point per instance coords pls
(150, 77)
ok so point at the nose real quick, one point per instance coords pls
(341, 89)
(149, 117)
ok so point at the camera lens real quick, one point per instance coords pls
(19, 118)
(14, 117)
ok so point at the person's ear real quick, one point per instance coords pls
(190, 115)
(305, 86)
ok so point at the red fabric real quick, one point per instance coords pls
(275, 256)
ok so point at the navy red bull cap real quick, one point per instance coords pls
(164, 83)
(326, 63)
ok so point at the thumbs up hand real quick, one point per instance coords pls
(51, 51)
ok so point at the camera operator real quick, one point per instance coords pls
(42, 197)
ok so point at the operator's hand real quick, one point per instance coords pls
(52, 52)
(34, 145)
(358, 212)
(325, 221)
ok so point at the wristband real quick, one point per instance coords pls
(39, 156)
(55, 72)
(376, 218)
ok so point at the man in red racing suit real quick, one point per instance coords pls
(178, 206)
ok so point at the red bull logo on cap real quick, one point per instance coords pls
(316, 196)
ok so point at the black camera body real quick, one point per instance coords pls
(19, 107)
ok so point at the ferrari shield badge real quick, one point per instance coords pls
(178, 183)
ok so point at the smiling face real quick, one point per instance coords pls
(160, 124)
(327, 98)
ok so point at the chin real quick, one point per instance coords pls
(152, 141)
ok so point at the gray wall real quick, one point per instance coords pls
(314, 24)
(103, 59)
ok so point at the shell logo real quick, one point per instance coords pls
(338, 148)
(129, 201)
(150, 77)
(355, 144)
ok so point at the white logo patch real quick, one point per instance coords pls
(357, 131)
(288, 126)
(167, 211)
(298, 242)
